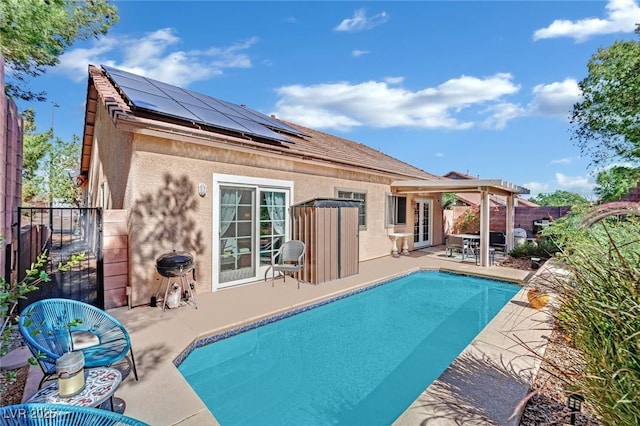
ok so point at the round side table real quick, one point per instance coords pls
(100, 385)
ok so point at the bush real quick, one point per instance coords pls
(545, 248)
(468, 222)
(12, 292)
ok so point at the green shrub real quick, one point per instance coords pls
(12, 292)
(468, 222)
(545, 248)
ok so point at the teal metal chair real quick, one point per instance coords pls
(62, 415)
(53, 327)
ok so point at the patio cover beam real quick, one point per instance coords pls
(495, 186)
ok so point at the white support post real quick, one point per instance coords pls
(484, 226)
(511, 213)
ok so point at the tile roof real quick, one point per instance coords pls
(317, 146)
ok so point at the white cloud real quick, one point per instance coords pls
(360, 21)
(357, 53)
(316, 118)
(555, 99)
(154, 55)
(501, 113)
(536, 188)
(578, 184)
(608, 167)
(565, 160)
(394, 80)
(622, 17)
(439, 154)
(377, 104)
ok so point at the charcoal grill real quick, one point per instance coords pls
(176, 266)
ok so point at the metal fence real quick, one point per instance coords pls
(62, 232)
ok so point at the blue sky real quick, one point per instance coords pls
(479, 87)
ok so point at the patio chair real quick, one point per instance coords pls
(498, 241)
(53, 327)
(62, 415)
(492, 255)
(288, 259)
(458, 244)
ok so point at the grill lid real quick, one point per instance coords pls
(174, 263)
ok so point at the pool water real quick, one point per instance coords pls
(362, 359)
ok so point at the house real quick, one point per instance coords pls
(192, 173)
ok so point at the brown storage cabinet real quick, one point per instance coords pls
(329, 228)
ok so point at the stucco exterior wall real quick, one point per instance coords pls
(166, 213)
(156, 180)
(110, 160)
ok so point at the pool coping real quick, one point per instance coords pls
(204, 341)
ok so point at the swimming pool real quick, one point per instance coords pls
(362, 359)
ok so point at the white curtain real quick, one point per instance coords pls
(276, 208)
(228, 207)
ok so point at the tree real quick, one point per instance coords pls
(35, 148)
(35, 33)
(449, 200)
(46, 165)
(607, 121)
(559, 198)
(64, 157)
(617, 181)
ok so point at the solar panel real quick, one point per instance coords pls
(261, 118)
(161, 104)
(162, 98)
(260, 130)
(219, 120)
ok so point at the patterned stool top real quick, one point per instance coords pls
(100, 384)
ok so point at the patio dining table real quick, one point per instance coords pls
(469, 239)
(473, 241)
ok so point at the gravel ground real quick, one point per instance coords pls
(11, 393)
(548, 406)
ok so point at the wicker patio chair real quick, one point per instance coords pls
(53, 327)
(62, 415)
(288, 259)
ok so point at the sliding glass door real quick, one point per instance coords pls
(273, 224)
(236, 234)
(252, 217)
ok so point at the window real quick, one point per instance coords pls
(396, 210)
(362, 209)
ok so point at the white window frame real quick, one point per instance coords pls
(362, 212)
(392, 212)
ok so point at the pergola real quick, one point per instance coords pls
(485, 187)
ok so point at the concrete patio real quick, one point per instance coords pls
(484, 385)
